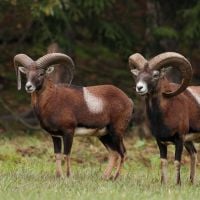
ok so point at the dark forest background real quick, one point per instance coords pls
(99, 35)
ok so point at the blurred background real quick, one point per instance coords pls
(99, 35)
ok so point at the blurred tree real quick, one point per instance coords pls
(99, 35)
(177, 28)
(125, 25)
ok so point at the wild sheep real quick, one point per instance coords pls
(62, 109)
(173, 111)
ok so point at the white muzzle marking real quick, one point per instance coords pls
(30, 87)
(94, 103)
(141, 87)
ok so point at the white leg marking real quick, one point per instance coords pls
(193, 167)
(177, 165)
(59, 172)
(94, 103)
(163, 171)
(112, 160)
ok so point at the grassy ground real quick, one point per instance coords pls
(27, 171)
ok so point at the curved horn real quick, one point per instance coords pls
(137, 61)
(176, 60)
(53, 59)
(25, 61)
(22, 59)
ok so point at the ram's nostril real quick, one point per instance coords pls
(29, 86)
(140, 88)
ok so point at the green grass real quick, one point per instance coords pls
(27, 171)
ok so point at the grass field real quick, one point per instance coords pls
(27, 171)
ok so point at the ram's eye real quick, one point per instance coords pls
(41, 74)
(156, 74)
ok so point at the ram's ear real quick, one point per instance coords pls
(23, 70)
(135, 72)
(49, 70)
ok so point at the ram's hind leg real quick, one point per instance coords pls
(193, 159)
(118, 131)
(113, 155)
(115, 146)
(122, 151)
(58, 155)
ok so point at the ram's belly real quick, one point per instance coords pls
(192, 137)
(90, 132)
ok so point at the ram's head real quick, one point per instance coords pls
(148, 73)
(37, 70)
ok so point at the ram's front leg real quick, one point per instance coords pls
(68, 140)
(177, 162)
(58, 155)
(163, 157)
(193, 159)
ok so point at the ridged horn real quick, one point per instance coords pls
(21, 60)
(175, 60)
(53, 59)
(137, 61)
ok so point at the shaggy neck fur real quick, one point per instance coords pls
(48, 86)
(155, 107)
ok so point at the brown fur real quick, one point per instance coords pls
(61, 108)
(70, 110)
(181, 113)
(171, 119)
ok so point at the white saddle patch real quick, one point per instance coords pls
(89, 132)
(94, 103)
(194, 94)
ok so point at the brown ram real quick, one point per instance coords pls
(62, 109)
(173, 111)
